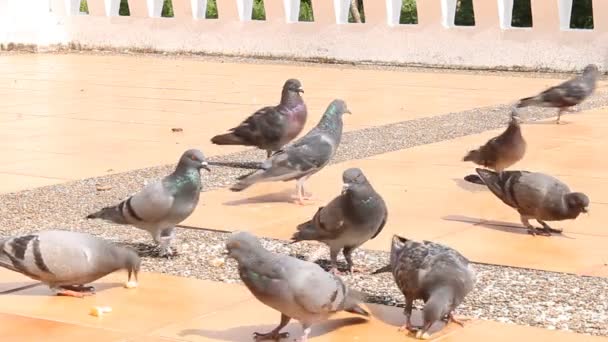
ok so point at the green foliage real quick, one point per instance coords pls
(465, 15)
(84, 7)
(306, 13)
(211, 9)
(167, 11)
(124, 8)
(409, 13)
(259, 13)
(582, 14)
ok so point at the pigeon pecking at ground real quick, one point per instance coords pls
(501, 151)
(567, 94)
(358, 214)
(270, 128)
(536, 196)
(298, 289)
(437, 274)
(66, 260)
(161, 205)
(303, 158)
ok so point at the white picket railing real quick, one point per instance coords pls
(435, 40)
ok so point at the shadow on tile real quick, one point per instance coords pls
(381, 313)
(238, 334)
(17, 286)
(286, 195)
(99, 287)
(502, 226)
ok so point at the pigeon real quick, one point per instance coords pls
(358, 214)
(501, 151)
(536, 196)
(567, 94)
(66, 260)
(305, 156)
(435, 273)
(270, 128)
(298, 289)
(161, 205)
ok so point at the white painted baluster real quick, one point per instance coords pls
(199, 9)
(342, 8)
(245, 8)
(72, 7)
(292, 10)
(565, 11)
(112, 7)
(448, 12)
(505, 13)
(393, 9)
(155, 8)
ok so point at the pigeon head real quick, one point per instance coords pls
(242, 246)
(398, 243)
(353, 178)
(437, 306)
(293, 85)
(337, 107)
(591, 70)
(193, 159)
(577, 202)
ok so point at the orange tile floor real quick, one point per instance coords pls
(67, 117)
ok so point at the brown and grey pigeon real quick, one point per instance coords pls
(437, 274)
(298, 289)
(567, 94)
(501, 151)
(66, 260)
(536, 196)
(304, 157)
(358, 214)
(161, 205)
(270, 128)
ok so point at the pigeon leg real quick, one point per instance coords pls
(548, 228)
(348, 255)
(304, 337)
(408, 316)
(423, 334)
(268, 153)
(460, 321)
(166, 236)
(531, 230)
(276, 333)
(333, 255)
(559, 114)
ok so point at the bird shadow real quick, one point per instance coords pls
(502, 226)
(39, 289)
(276, 197)
(244, 333)
(380, 314)
(548, 122)
(145, 250)
(468, 186)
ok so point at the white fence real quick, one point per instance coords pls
(435, 40)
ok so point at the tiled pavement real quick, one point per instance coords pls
(65, 117)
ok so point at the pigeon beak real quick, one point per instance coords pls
(586, 210)
(344, 187)
(205, 166)
(300, 90)
(348, 111)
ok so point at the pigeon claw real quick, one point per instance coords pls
(422, 335)
(76, 294)
(271, 336)
(335, 271)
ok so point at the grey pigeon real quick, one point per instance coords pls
(358, 214)
(298, 289)
(161, 205)
(567, 94)
(536, 196)
(437, 274)
(501, 151)
(66, 260)
(303, 158)
(270, 128)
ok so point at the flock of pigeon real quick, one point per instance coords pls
(439, 275)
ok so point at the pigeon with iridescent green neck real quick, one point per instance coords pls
(303, 158)
(161, 205)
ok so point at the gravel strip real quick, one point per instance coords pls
(521, 296)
